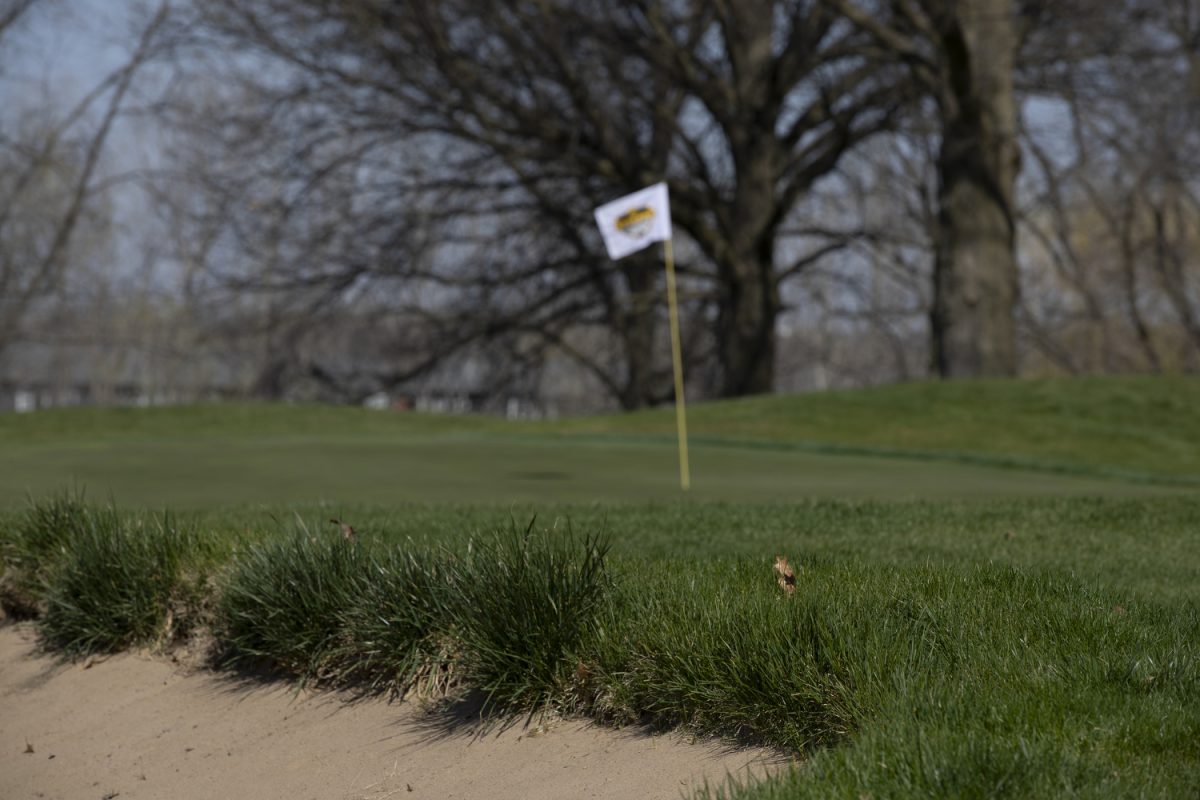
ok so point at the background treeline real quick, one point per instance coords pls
(363, 198)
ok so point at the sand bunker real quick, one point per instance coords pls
(133, 726)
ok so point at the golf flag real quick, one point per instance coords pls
(632, 223)
(635, 221)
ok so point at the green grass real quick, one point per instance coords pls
(998, 594)
(103, 581)
(208, 471)
(283, 602)
(1148, 425)
(1012, 686)
(924, 653)
(1147, 547)
(124, 582)
(986, 439)
(525, 606)
(33, 547)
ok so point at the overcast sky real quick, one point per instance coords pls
(63, 47)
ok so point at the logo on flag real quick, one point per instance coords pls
(635, 221)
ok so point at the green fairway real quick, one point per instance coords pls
(495, 469)
(936, 441)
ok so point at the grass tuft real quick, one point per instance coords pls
(523, 605)
(334, 612)
(508, 618)
(122, 582)
(34, 545)
(394, 630)
(283, 600)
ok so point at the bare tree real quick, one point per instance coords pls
(11, 12)
(451, 153)
(963, 53)
(49, 181)
(1113, 208)
(860, 316)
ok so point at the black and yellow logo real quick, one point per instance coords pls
(636, 222)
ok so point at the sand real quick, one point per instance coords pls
(139, 726)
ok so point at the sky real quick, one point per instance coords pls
(62, 47)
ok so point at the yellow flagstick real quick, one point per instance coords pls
(677, 356)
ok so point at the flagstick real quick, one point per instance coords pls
(677, 358)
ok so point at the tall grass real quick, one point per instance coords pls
(716, 646)
(98, 580)
(523, 605)
(332, 611)
(1014, 686)
(282, 601)
(507, 617)
(121, 583)
(34, 544)
(394, 634)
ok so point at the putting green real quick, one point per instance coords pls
(204, 471)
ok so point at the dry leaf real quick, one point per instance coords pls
(348, 532)
(28, 747)
(787, 577)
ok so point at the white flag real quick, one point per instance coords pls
(635, 221)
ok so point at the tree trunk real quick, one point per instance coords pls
(746, 329)
(975, 271)
(749, 295)
(638, 329)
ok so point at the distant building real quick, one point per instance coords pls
(35, 376)
(464, 385)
